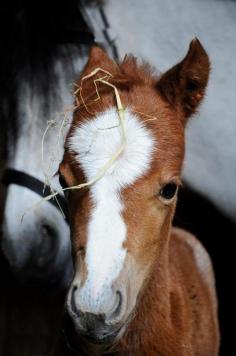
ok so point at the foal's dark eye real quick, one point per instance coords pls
(62, 181)
(168, 191)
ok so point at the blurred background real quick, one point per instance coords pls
(34, 38)
(160, 32)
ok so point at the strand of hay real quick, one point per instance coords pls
(52, 123)
(150, 117)
(121, 115)
(47, 178)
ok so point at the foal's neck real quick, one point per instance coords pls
(154, 308)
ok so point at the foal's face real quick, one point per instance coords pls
(120, 224)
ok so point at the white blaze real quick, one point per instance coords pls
(94, 143)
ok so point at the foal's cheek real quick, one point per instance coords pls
(156, 227)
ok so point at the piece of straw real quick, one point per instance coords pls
(120, 110)
(107, 165)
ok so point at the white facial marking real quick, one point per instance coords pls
(94, 143)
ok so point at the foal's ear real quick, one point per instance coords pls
(183, 86)
(99, 59)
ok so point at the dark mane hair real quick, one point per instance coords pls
(33, 35)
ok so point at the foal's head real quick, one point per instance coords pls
(120, 224)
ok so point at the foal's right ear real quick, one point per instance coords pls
(98, 58)
(183, 86)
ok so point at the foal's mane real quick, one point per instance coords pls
(137, 72)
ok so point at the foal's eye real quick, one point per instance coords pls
(62, 181)
(168, 191)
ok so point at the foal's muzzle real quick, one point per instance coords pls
(96, 328)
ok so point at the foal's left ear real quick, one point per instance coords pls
(183, 86)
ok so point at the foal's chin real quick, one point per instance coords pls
(87, 344)
(103, 334)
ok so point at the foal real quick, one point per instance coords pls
(141, 287)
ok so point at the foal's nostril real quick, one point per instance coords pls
(117, 306)
(73, 304)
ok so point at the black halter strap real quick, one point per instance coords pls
(13, 176)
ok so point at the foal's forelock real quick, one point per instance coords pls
(93, 143)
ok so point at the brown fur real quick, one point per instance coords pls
(176, 312)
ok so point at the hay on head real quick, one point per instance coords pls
(53, 123)
(104, 80)
(80, 102)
